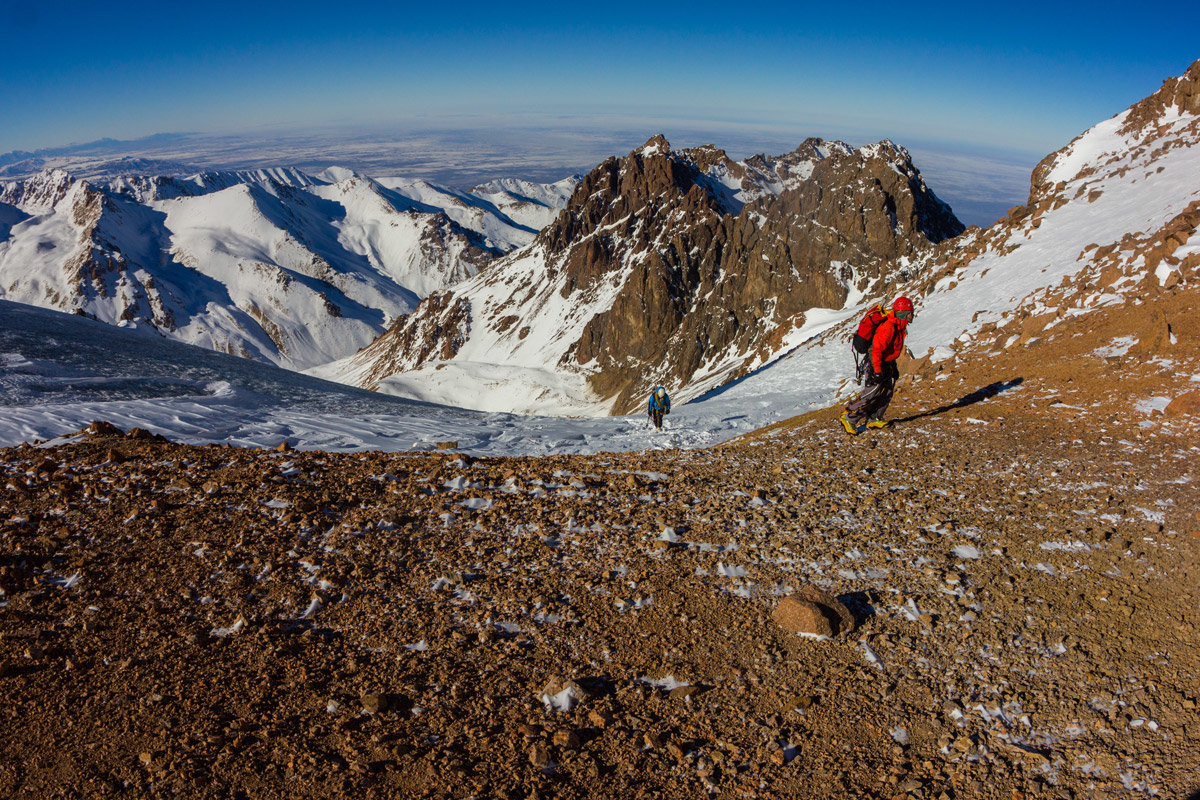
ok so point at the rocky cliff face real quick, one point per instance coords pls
(682, 268)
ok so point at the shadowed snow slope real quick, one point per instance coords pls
(60, 372)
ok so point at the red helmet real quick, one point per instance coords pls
(902, 308)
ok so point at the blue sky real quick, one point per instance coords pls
(1024, 78)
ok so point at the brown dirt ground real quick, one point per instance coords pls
(1019, 552)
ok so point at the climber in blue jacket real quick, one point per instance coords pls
(660, 406)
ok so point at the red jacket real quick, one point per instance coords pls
(888, 343)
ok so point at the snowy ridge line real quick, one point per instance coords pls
(277, 265)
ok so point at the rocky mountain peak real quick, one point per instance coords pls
(1164, 119)
(656, 144)
(39, 193)
(681, 267)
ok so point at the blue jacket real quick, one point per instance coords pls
(654, 404)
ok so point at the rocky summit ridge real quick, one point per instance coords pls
(678, 267)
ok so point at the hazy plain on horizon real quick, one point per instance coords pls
(980, 185)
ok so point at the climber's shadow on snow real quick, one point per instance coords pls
(991, 390)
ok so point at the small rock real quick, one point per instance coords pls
(561, 695)
(802, 702)
(653, 740)
(102, 428)
(799, 616)
(598, 718)
(682, 692)
(448, 445)
(374, 702)
(567, 739)
(1185, 405)
(539, 756)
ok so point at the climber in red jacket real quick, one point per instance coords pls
(887, 344)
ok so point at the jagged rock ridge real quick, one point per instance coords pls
(1113, 219)
(681, 268)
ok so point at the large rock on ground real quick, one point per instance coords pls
(813, 612)
(1185, 405)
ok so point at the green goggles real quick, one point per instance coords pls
(905, 315)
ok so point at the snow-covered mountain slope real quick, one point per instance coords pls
(676, 267)
(276, 265)
(534, 205)
(59, 372)
(507, 213)
(1111, 219)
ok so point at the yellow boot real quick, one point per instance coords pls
(849, 426)
(879, 423)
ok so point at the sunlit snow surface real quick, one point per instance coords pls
(59, 372)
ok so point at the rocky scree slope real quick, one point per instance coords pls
(212, 621)
(276, 265)
(681, 268)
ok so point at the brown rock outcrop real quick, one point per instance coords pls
(436, 333)
(707, 261)
(748, 273)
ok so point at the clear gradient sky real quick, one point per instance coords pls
(1024, 77)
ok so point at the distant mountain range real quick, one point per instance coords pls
(279, 265)
(980, 183)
